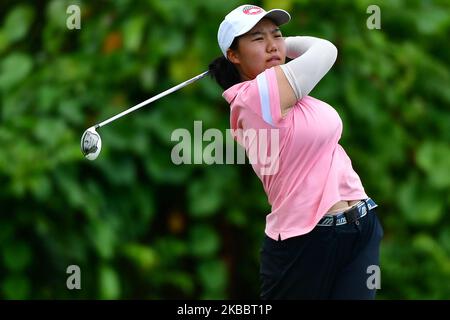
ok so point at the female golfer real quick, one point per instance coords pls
(322, 235)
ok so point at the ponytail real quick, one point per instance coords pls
(223, 71)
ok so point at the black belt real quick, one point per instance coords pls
(351, 215)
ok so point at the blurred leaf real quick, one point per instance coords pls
(434, 159)
(181, 71)
(119, 172)
(143, 256)
(161, 169)
(278, 4)
(205, 199)
(213, 276)
(6, 233)
(432, 21)
(207, 195)
(417, 207)
(133, 31)
(13, 69)
(69, 110)
(40, 187)
(47, 97)
(444, 240)
(56, 12)
(237, 217)
(18, 22)
(203, 241)
(49, 131)
(4, 41)
(171, 250)
(148, 77)
(433, 249)
(110, 287)
(16, 287)
(104, 238)
(73, 193)
(17, 256)
(181, 281)
(171, 11)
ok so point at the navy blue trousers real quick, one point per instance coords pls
(330, 262)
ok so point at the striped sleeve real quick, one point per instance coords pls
(262, 96)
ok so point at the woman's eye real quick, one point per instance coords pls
(257, 39)
(278, 36)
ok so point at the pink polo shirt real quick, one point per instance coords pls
(302, 167)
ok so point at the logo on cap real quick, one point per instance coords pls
(251, 10)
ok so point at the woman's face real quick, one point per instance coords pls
(259, 49)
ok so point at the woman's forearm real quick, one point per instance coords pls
(312, 59)
(298, 45)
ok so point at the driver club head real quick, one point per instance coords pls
(91, 144)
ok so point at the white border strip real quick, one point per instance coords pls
(264, 97)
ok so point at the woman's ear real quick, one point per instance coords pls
(232, 56)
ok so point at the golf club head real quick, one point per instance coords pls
(91, 144)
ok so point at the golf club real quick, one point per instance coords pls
(91, 143)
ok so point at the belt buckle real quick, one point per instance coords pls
(351, 215)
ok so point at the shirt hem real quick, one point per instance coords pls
(283, 235)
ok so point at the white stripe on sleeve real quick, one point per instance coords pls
(263, 89)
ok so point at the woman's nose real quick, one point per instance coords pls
(271, 46)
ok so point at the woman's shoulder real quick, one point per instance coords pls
(237, 90)
(251, 89)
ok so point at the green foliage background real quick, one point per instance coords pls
(141, 227)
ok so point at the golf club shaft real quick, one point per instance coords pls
(150, 100)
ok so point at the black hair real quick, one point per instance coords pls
(224, 71)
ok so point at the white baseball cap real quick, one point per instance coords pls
(244, 18)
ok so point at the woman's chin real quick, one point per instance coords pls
(273, 63)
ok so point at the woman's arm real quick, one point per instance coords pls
(312, 59)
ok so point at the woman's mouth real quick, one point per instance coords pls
(275, 60)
